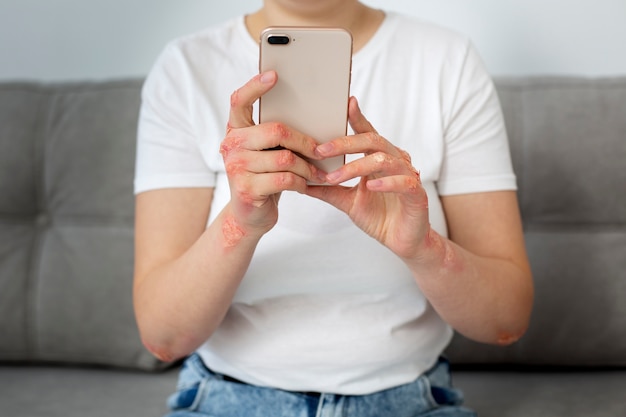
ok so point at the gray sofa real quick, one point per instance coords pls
(68, 341)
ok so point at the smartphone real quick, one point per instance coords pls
(311, 94)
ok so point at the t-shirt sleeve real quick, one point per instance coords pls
(477, 157)
(168, 154)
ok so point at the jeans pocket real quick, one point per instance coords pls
(188, 398)
(444, 402)
(193, 382)
(446, 395)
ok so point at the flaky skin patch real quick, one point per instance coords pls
(232, 232)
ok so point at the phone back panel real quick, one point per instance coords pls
(313, 86)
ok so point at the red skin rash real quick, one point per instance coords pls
(232, 232)
(236, 167)
(160, 354)
(229, 144)
(246, 198)
(280, 131)
(234, 98)
(411, 184)
(506, 339)
(433, 240)
(286, 159)
(449, 257)
(439, 245)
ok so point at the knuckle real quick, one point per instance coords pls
(286, 180)
(285, 158)
(347, 141)
(381, 159)
(405, 155)
(374, 138)
(224, 148)
(279, 130)
(418, 175)
(229, 144)
(234, 98)
(411, 184)
(235, 167)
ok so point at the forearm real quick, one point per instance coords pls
(180, 303)
(486, 299)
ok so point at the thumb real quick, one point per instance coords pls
(242, 99)
(357, 120)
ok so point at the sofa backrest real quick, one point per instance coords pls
(568, 144)
(67, 155)
(66, 222)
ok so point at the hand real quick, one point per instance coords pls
(257, 172)
(389, 203)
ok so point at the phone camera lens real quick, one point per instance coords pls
(278, 40)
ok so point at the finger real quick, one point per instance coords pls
(365, 143)
(335, 195)
(408, 190)
(410, 185)
(357, 120)
(367, 140)
(273, 161)
(377, 164)
(242, 99)
(256, 189)
(270, 135)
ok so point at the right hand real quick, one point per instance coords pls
(257, 173)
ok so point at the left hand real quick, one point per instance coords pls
(389, 203)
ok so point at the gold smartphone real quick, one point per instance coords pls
(311, 94)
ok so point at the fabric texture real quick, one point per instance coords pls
(66, 224)
(353, 298)
(578, 263)
(543, 392)
(568, 143)
(202, 392)
(72, 391)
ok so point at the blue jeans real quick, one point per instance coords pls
(203, 393)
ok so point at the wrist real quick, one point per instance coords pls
(434, 255)
(236, 227)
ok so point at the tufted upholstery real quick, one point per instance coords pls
(568, 143)
(66, 223)
(66, 237)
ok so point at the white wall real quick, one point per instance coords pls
(95, 39)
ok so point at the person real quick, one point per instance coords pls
(292, 299)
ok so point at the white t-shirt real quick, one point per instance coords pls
(323, 307)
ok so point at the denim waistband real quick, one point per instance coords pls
(202, 392)
(237, 381)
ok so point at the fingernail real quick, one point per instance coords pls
(325, 149)
(333, 176)
(375, 183)
(320, 177)
(267, 77)
(355, 104)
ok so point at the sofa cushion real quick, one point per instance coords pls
(53, 391)
(568, 143)
(543, 393)
(66, 224)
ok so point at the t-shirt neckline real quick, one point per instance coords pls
(368, 49)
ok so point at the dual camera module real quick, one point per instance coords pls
(278, 40)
